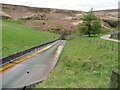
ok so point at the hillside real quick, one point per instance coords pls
(53, 20)
(108, 14)
(17, 37)
(17, 12)
(44, 19)
(85, 63)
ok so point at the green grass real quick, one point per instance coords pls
(17, 37)
(85, 63)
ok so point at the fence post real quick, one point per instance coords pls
(112, 46)
(115, 79)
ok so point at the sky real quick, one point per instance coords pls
(81, 5)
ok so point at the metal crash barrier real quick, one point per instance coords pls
(19, 54)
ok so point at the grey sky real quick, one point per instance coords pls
(83, 5)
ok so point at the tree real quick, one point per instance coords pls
(91, 24)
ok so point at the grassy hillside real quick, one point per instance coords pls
(84, 63)
(17, 37)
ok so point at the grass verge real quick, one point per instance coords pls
(85, 63)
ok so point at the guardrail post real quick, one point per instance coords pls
(115, 79)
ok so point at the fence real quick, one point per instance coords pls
(115, 79)
(14, 56)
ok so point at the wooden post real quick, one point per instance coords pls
(105, 43)
(115, 79)
(112, 46)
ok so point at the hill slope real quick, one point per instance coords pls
(54, 20)
(17, 37)
(44, 19)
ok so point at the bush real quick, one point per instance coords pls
(111, 23)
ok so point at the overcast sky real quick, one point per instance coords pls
(83, 5)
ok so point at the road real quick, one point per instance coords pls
(106, 37)
(34, 69)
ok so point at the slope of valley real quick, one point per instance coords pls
(54, 20)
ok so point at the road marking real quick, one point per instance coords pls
(4, 68)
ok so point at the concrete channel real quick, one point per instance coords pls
(34, 69)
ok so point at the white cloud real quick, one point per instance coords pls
(84, 5)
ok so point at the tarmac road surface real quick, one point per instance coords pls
(107, 37)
